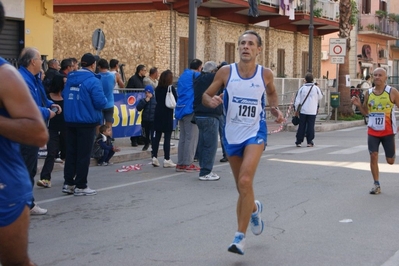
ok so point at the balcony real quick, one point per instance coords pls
(378, 27)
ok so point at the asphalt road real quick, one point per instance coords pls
(156, 216)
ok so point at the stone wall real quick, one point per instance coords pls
(152, 38)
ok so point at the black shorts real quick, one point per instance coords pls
(108, 114)
(388, 143)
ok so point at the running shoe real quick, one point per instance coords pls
(256, 220)
(375, 190)
(44, 183)
(168, 163)
(209, 177)
(36, 210)
(192, 168)
(84, 192)
(238, 244)
(155, 162)
(68, 189)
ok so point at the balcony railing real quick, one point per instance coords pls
(380, 25)
(323, 8)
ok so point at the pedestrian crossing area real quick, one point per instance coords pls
(325, 149)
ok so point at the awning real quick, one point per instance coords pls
(366, 65)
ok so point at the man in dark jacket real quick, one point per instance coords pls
(137, 82)
(147, 105)
(84, 100)
(53, 68)
(207, 120)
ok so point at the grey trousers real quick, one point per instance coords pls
(188, 141)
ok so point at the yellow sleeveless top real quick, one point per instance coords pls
(382, 121)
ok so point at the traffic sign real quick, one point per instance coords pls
(337, 47)
(337, 59)
(98, 40)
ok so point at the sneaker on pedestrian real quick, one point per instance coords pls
(68, 189)
(109, 163)
(168, 163)
(180, 168)
(375, 190)
(238, 244)
(224, 159)
(298, 145)
(36, 210)
(146, 146)
(58, 160)
(44, 183)
(155, 162)
(195, 159)
(192, 168)
(102, 164)
(84, 191)
(209, 177)
(311, 144)
(256, 220)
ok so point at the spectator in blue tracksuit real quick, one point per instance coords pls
(184, 112)
(84, 101)
(30, 65)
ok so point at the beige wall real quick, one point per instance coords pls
(39, 26)
(152, 38)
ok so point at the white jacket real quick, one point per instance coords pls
(311, 103)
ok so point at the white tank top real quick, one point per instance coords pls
(244, 105)
(116, 87)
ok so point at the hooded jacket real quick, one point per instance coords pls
(185, 91)
(37, 91)
(84, 98)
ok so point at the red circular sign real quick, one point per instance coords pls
(337, 49)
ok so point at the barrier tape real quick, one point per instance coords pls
(129, 168)
(286, 116)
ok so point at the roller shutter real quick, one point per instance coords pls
(11, 40)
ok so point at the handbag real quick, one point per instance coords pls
(97, 152)
(170, 100)
(295, 118)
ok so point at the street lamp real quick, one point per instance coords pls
(311, 28)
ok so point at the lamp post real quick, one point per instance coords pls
(311, 28)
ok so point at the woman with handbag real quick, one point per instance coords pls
(163, 119)
(306, 105)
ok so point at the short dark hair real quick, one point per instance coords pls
(153, 70)
(113, 63)
(367, 77)
(309, 77)
(65, 63)
(195, 64)
(103, 128)
(57, 83)
(139, 68)
(253, 33)
(165, 79)
(103, 64)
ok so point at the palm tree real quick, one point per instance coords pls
(345, 27)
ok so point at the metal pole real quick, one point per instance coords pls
(311, 28)
(192, 31)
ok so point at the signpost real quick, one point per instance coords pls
(337, 55)
(98, 40)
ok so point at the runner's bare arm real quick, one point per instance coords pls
(272, 97)
(119, 80)
(209, 98)
(26, 124)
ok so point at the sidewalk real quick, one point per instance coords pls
(129, 153)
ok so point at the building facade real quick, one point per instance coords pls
(156, 33)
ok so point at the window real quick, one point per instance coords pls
(183, 54)
(229, 52)
(281, 63)
(366, 6)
